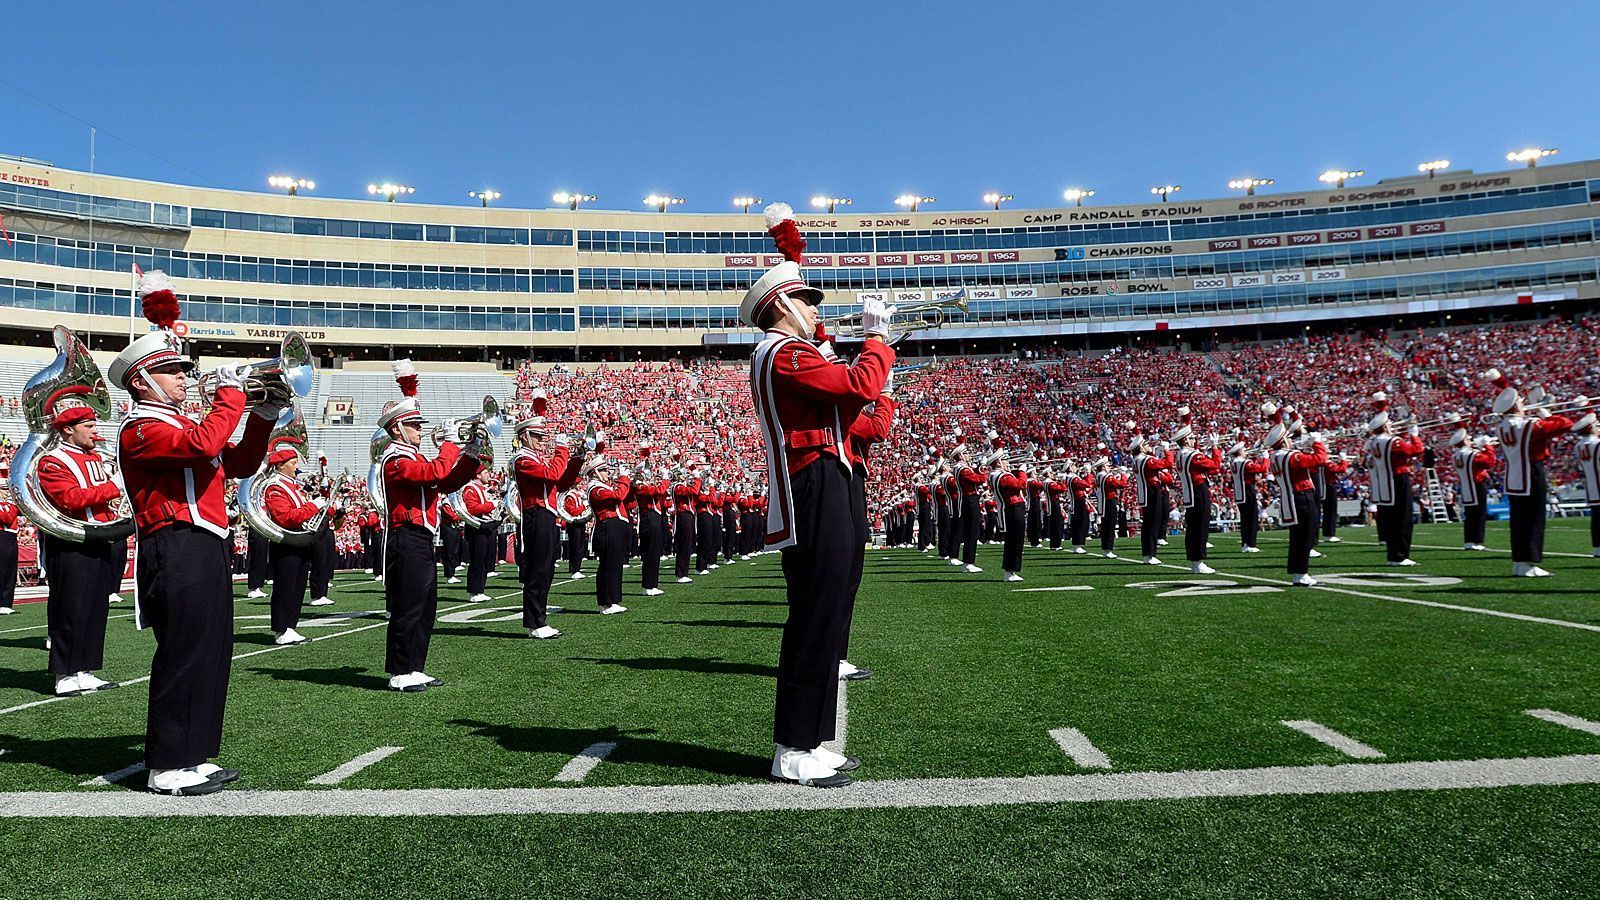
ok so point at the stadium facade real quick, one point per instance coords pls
(374, 278)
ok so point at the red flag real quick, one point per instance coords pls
(5, 234)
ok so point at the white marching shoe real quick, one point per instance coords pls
(6, 611)
(1077, 549)
(367, 571)
(1404, 562)
(1111, 554)
(806, 768)
(974, 568)
(653, 592)
(544, 632)
(1315, 553)
(1201, 568)
(579, 576)
(1334, 540)
(1250, 549)
(478, 598)
(181, 783)
(1210, 545)
(713, 566)
(613, 609)
(1530, 570)
(685, 580)
(1595, 553)
(290, 636)
(1151, 561)
(1013, 576)
(255, 594)
(952, 561)
(67, 686)
(88, 682)
(114, 598)
(452, 580)
(703, 572)
(1303, 581)
(322, 601)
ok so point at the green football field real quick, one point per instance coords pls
(1104, 728)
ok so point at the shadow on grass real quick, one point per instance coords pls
(35, 681)
(27, 643)
(80, 757)
(740, 602)
(633, 746)
(342, 676)
(725, 623)
(710, 665)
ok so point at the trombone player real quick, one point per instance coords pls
(289, 508)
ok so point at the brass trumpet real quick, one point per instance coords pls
(489, 419)
(292, 368)
(917, 317)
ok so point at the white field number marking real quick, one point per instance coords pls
(467, 616)
(1387, 579)
(1203, 587)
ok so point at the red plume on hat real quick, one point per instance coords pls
(1380, 401)
(405, 375)
(158, 298)
(540, 401)
(1497, 378)
(785, 232)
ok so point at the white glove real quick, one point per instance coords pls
(1413, 431)
(1316, 437)
(1542, 412)
(875, 316)
(452, 429)
(319, 503)
(231, 376)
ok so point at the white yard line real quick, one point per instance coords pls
(1078, 748)
(1345, 744)
(1346, 778)
(1059, 587)
(1560, 718)
(1499, 614)
(355, 765)
(114, 777)
(581, 765)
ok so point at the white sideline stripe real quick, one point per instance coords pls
(114, 777)
(579, 767)
(841, 719)
(1499, 614)
(1560, 718)
(1077, 746)
(272, 649)
(355, 765)
(1345, 744)
(1345, 778)
(1059, 587)
(1456, 547)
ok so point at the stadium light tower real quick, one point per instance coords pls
(830, 202)
(1432, 166)
(1077, 195)
(913, 201)
(995, 199)
(1531, 155)
(1337, 177)
(1249, 185)
(390, 191)
(572, 200)
(291, 184)
(745, 203)
(484, 196)
(662, 201)
(1166, 189)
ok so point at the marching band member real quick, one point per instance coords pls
(542, 473)
(1080, 487)
(1472, 463)
(9, 516)
(480, 505)
(573, 514)
(412, 486)
(870, 426)
(79, 482)
(257, 557)
(1328, 496)
(1106, 485)
(372, 542)
(175, 471)
(705, 526)
(1012, 489)
(450, 541)
(1147, 471)
(324, 551)
(1038, 489)
(286, 504)
(1048, 495)
(1525, 443)
(802, 402)
(1194, 470)
(1246, 494)
(606, 495)
(971, 516)
(649, 492)
(947, 512)
(1390, 473)
(1587, 452)
(1297, 496)
(683, 526)
(924, 516)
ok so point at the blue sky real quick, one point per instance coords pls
(865, 100)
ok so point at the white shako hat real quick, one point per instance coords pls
(407, 410)
(1378, 422)
(1458, 437)
(1136, 444)
(534, 424)
(783, 278)
(1237, 448)
(1508, 395)
(595, 463)
(1583, 424)
(1183, 432)
(1275, 435)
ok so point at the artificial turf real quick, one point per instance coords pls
(971, 675)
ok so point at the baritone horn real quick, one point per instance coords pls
(916, 317)
(489, 419)
(291, 368)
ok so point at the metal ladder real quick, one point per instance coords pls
(1434, 498)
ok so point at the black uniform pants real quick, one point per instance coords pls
(1527, 519)
(450, 548)
(1056, 526)
(1164, 520)
(817, 570)
(1474, 517)
(1197, 525)
(1302, 534)
(1080, 521)
(291, 568)
(924, 525)
(1250, 518)
(943, 532)
(971, 517)
(8, 568)
(1035, 522)
(259, 560)
(1149, 527)
(324, 555)
(611, 551)
(1397, 533)
(730, 535)
(683, 538)
(541, 541)
(1108, 524)
(411, 590)
(704, 550)
(79, 601)
(1330, 513)
(1016, 530)
(480, 559)
(577, 546)
(186, 597)
(650, 547)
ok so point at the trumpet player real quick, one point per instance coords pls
(1472, 461)
(481, 506)
(1148, 469)
(176, 470)
(607, 492)
(1297, 495)
(1195, 468)
(286, 503)
(1108, 485)
(574, 516)
(1587, 451)
(969, 480)
(79, 482)
(1012, 490)
(684, 490)
(1246, 474)
(1080, 486)
(325, 550)
(1525, 443)
(1390, 461)
(542, 473)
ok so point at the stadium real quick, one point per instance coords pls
(1232, 544)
